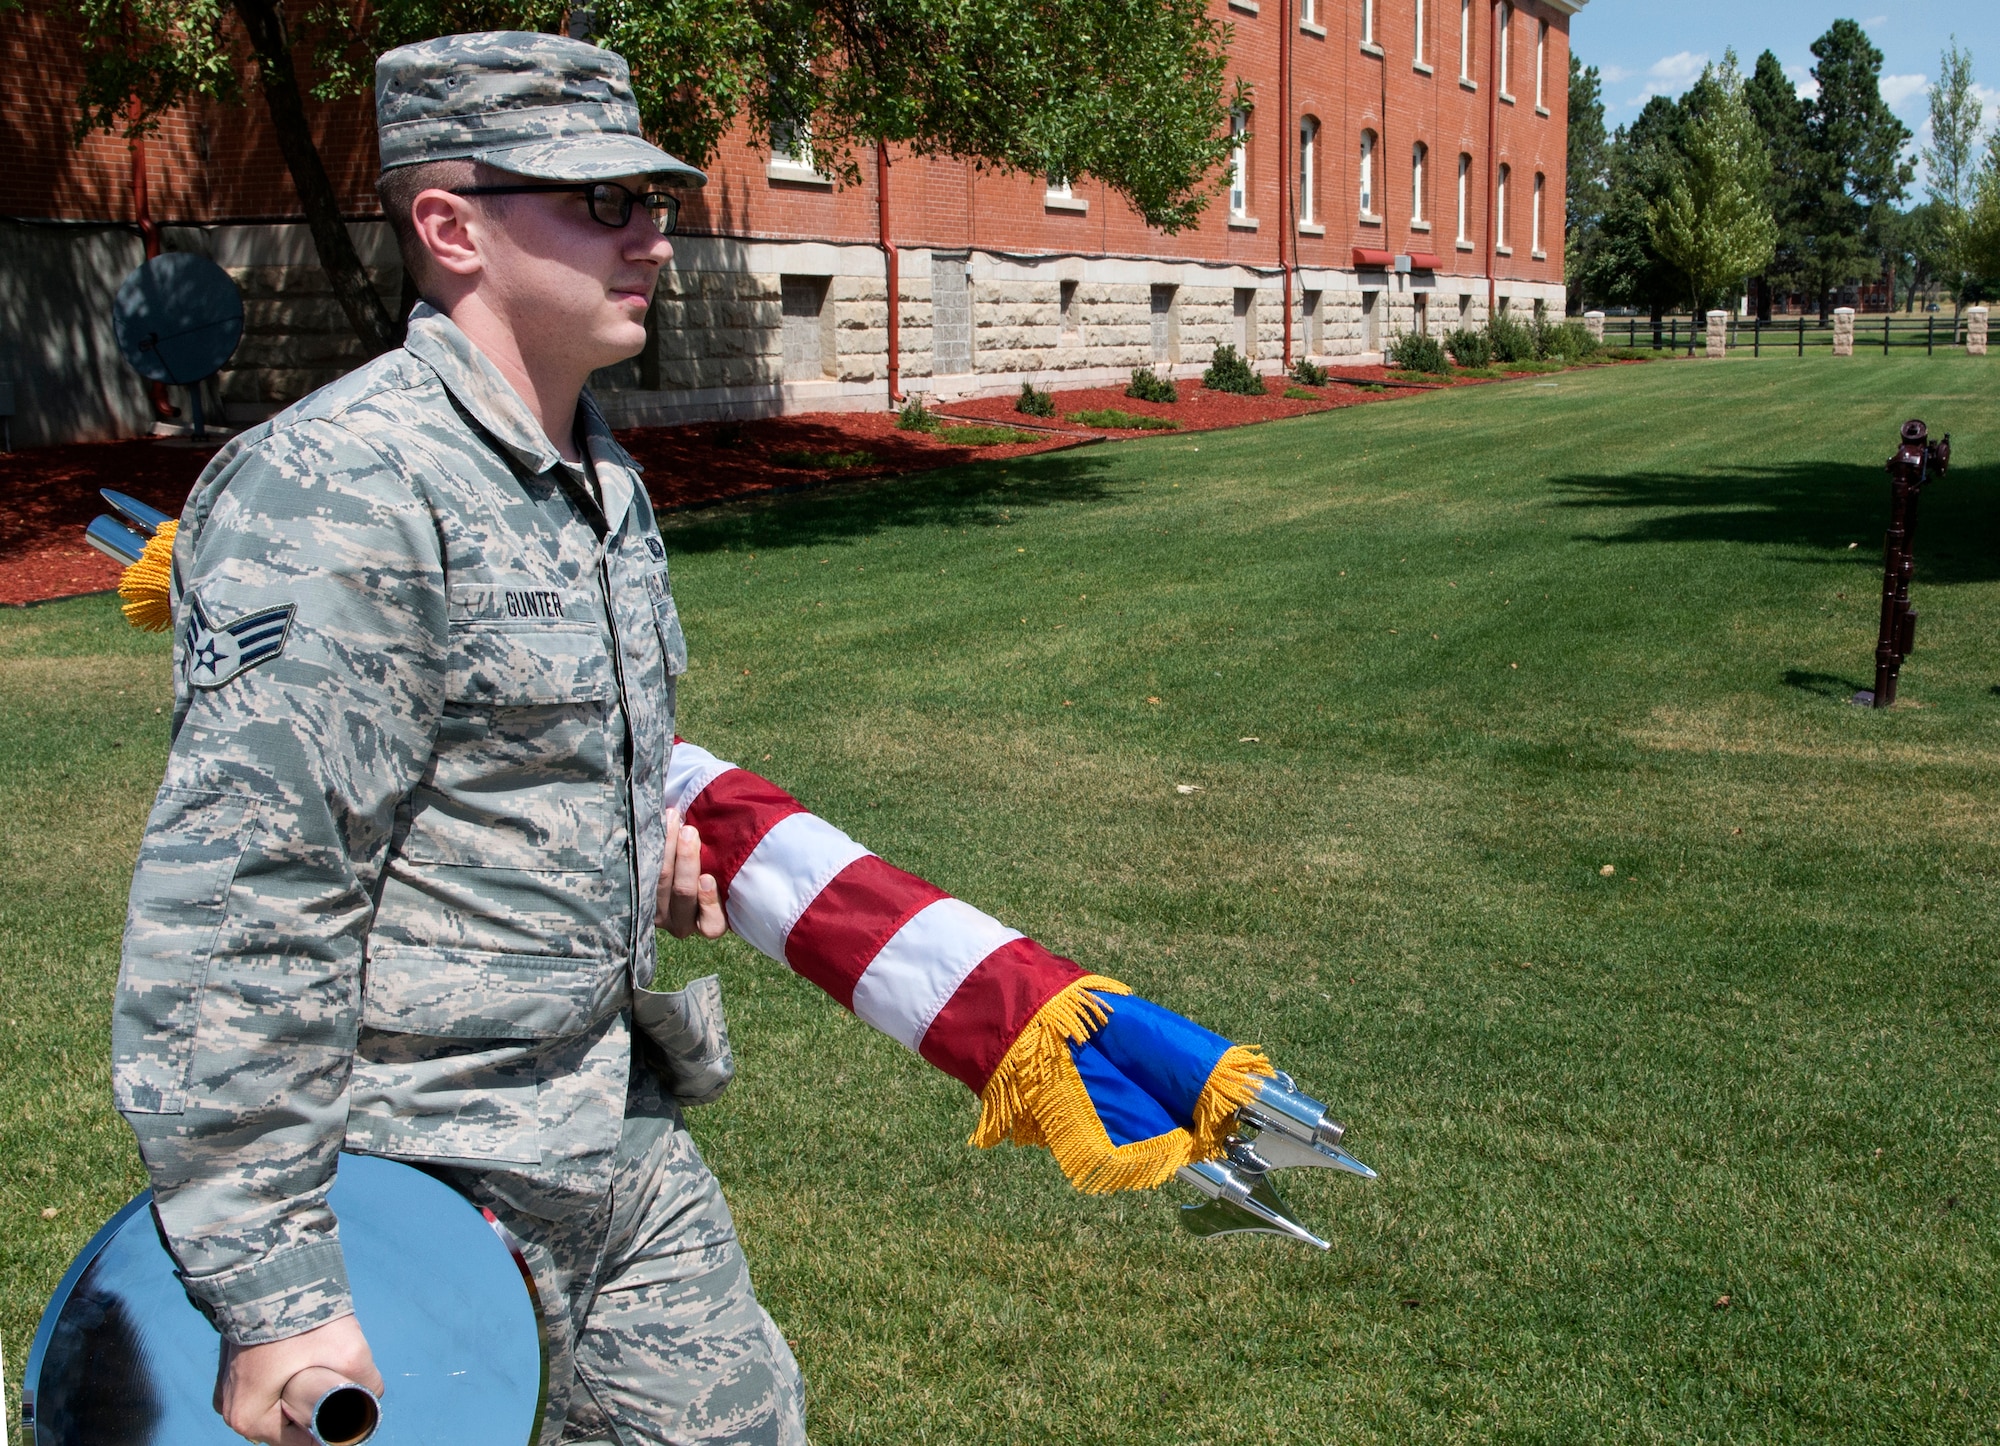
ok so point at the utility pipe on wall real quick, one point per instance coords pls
(1492, 156)
(890, 270)
(1286, 220)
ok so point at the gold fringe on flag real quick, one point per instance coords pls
(1036, 1097)
(147, 585)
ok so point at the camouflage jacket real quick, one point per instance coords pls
(398, 884)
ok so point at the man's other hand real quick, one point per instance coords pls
(253, 1378)
(689, 902)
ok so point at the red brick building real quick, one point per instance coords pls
(1402, 168)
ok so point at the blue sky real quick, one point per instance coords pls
(1647, 47)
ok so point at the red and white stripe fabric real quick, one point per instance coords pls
(939, 976)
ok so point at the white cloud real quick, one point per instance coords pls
(1803, 82)
(1670, 75)
(1990, 99)
(1896, 89)
(1613, 74)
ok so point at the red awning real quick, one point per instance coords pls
(1380, 260)
(1424, 261)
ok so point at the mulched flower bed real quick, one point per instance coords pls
(49, 494)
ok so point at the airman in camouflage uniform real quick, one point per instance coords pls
(397, 893)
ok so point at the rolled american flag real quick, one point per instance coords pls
(1122, 1092)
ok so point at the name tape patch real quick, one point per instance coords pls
(533, 604)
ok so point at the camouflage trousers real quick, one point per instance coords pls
(652, 1333)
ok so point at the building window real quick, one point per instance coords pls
(1506, 48)
(1367, 22)
(1066, 307)
(1059, 188)
(1464, 196)
(791, 145)
(1246, 322)
(1368, 174)
(808, 326)
(1541, 65)
(1418, 53)
(1308, 169)
(1465, 40)
(1309, 13)
(1315, 324)
(1500, 227)
(1239, 164)
(1535, 221)
(1166, 328)
(1419, 163)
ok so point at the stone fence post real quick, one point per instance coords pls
(1593, 322)
(1718, 333)
(1975, 331)
(1843, 331)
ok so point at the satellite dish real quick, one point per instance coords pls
(178, 318)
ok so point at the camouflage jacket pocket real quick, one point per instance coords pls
(521, 772)
(687, 1039)
(180, 892)
(667, 617)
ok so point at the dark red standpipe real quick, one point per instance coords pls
(892, 274)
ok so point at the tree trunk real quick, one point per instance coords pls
(279, 81)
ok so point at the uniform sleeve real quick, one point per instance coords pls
(310, 627)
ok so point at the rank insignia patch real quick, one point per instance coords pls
(212, 656)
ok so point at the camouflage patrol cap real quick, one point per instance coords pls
(541, 106)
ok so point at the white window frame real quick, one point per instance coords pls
(1535, 222)
(1541, 66)
(1060, 196)
(1502, 237)
(1506, 56)
(1464, 198)
(1417, 56)
(1308, 158)
(1366, 177)
(1368, 25)
(1465, 42)
(1239, 164)
(792, 155)
(1420, 156)
(1309, 13)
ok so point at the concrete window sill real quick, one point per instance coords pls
(1306, 27)
(1468, 84)
(1506, 99)
(1369, 47)
(1421, 68)
(793, 175)
(1248, 7)
(1076, 205)
(1368, 220)
(1503, 250)
(1311, 228)
(1538, 255)
(1416, 225)
(1464, 245)
(1243, 223)
(1542, 111)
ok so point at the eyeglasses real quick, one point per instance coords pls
(610, 203)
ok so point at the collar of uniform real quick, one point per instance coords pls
(434, 339)
(615, 470)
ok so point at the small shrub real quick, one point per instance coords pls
(1511, 341)
(1482, 374)
(1369, 387)
(824, 461)
(1419, 379)
(1117, 420)
(1627, 353)
(1033, 403)
(913, 418)
(1415, 352)
(1228, 372)
(1300, 394)
(1146, 387)
(1568, 341)
(1308, 375)
(727, 434)
(984, 436)
(1470, 348)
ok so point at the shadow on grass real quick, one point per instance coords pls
(974, 494)
(1824, 685)
(1818, 506)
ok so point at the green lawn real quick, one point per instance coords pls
(1431, 666)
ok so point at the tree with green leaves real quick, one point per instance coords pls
(1856, 167)
(1781, 116)
(1624, 266)
(1132, 93)
(1951, 170)
(1714, 224)
(1587, 181)
(1981, 252)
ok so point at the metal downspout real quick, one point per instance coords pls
(1287, 219)
(1492, 155)
(891, 273)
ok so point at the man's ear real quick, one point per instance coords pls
(449, 228)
